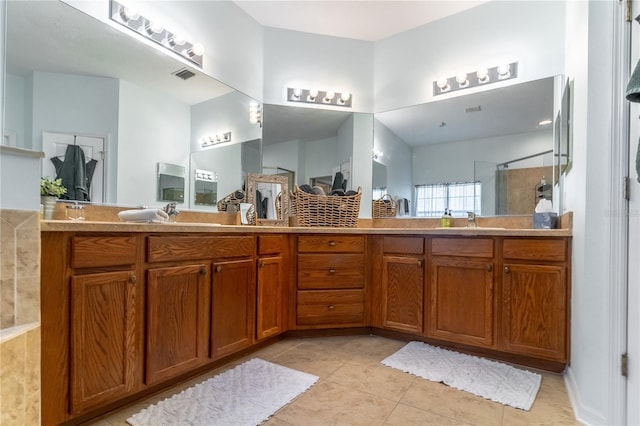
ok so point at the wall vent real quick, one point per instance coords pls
(473, 109)
(184, 73)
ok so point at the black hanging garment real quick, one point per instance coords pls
(73, 173)
(633, 95)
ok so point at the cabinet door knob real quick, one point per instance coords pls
(133, 279)
(262, 264)
(203, 271)
(489, 267)
(332, 243)
(419, 263)
(332, 271)
(218, 268)
(331, 307)
(506, 270)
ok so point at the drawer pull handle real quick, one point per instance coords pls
(133, 279)
(331, 307)
(489, 267)
(419, 263)
(506, 270)
(203, 271)
(332, 243)
(332, 271)
(218, 268)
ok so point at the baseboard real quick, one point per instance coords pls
(583, 414)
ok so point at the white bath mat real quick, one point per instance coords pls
(245, 395)
(489, 379)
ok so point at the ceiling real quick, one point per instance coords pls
(361, 20)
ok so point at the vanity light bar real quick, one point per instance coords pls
(216, 139)
(313, 96)
(475, 78)
(153, 31)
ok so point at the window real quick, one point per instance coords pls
(458, 197)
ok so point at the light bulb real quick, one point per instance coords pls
(197, 49)
(504, 71)
(442, 83)
(153, 27)
(176, 40)
(330, 94)
(129, 14)
(313, 93)
(483, 75)
(461, 78)
(344, 97)
(297, 92)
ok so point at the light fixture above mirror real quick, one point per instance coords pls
(216, 139)
(466, 80)
(315, 96)
(154, 31)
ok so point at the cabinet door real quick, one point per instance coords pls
(461, 301)
(177, 320)
(534, 305)
(103, 353)
(269, 300)
(233, 299)
(402, 293)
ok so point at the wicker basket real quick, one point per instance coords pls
(231, 203)
(385, 206)
(326, 210)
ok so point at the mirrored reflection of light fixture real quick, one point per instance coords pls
(545, 122)
(156, 32)
(216, 139)
(255, 113)
(315, 96)
(473, 79)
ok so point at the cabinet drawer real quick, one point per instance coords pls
(320, 271)
(270, 244)
(167, 248)
(535, 249)
(91, 252)
(467, 247)
(403, 245)
(330, 244)
(330, 307)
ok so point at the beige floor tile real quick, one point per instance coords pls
(369, 349)
(274, 421)
(311, 358)
(405, 415)
(374, 379)
(441, 399)
(329, 403)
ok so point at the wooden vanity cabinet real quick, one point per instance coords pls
(91, 316)
(271, 285)
(461, 291)
(535, 297)
(399, 276)
(330, 291)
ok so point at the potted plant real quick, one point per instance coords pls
(50, 190)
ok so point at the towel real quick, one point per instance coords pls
(145, 215)
(73, 173)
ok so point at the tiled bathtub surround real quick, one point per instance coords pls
(19, 268)
(19, 317)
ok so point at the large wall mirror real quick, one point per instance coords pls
(491, 152)
(70, 73)
(309, 145)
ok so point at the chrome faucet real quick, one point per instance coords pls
(170, 209)
(471, 220)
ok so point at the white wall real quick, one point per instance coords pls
(297, 59)
(531, 32)
(152, 129)
(14, 113)
(232, 39)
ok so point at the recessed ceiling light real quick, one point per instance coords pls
(545, 122)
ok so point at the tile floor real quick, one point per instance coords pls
(355, 389)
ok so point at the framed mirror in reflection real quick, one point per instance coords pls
(170, 182)
(77, 74)
(269, 195)
(454, 153)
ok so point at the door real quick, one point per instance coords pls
(55, 145)
(461, 301)
(233, 301)
(103, 356)
(177, 320)
(402, 293)
(269, 298)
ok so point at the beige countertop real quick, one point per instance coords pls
(178, 227)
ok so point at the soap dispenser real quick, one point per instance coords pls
(445, 220)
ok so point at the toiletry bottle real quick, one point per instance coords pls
(449, 218)
(445, 220)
